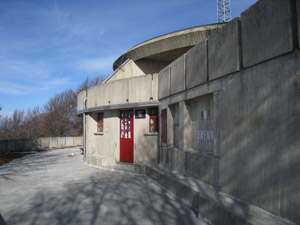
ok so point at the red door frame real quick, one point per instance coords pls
(126, 136)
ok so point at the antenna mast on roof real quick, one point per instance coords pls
(223, 11)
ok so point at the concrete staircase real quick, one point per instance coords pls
(209, 202)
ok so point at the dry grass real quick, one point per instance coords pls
(11, 156)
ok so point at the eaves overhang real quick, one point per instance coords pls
(163, 47)
(120, 106)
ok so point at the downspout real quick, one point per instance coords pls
(84, 130)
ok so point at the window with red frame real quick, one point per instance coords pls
(100, 122)
(164, 126)
(153, 120)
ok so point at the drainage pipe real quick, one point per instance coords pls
(84, 130)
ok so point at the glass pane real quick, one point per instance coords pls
(152, 128)
(122, 134)
(152, 121)
(129, 134)
(125, 134)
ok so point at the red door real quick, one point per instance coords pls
(126, 136)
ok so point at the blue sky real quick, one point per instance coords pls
(48, 46)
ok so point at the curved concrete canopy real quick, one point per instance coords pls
(168, 47)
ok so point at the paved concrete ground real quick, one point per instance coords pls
(51, 188)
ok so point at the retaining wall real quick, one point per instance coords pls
(251, 68)
(8, 146)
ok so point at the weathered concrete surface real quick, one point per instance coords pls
(164, 83)
(69, 141)
(51, 188)
(80, 97)
(196, 65)
(122, 91)
(224, 50)
(298, 21)
(259, 157)
(140, 88)
(178, 75)
(267, 31)
(219, 207)
(168, 47)
(128, 70)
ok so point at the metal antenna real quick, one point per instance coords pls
(223, 11)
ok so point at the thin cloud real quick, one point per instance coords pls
(24, 69)
(96, 65)
(15, 88)
(11, 88)
(53, 83)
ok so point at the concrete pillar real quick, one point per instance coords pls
(170, 127)
(217, 137)
(185, 124)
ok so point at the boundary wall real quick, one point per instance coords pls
(245, 80)
(19, 145)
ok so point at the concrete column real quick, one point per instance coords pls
(217, 137)
(185, 124)
(170, 127)
(217, 122)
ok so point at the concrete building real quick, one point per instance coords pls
(122, 113)
(229, 114)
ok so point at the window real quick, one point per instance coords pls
(164, 125)
(153, 120)
(100, 122)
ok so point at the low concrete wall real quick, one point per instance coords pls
(135, 89)
(8, 146)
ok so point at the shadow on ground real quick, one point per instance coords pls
(105, 198)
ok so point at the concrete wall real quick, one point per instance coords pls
(197, 54)
(32, 144)
(268, 30)
(128, 70)
(80, 97)
(106, 143)
(253, 80)
(145, 143)
(104, 148)
(149, 66)
(134, 89)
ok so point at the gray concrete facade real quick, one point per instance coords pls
(298, 21)
(197, 72)
(224, 50)
(267, 30)
(247, 135)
